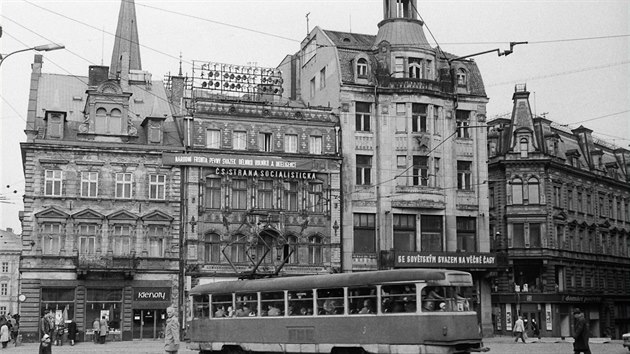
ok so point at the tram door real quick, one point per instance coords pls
(148, 324)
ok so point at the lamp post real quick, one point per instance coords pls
(39, 48)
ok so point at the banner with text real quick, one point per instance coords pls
(445, 259)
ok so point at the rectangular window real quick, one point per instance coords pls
(362, 116)
(601, 205)
(89, 184)
(404, 232)
(399, 67)
(121, 243)
(518, 235)
(570, 205)
(4, 289)
(156, 235)
(51, 238)
(213, 139)
(431, 233)
(557, 196)
(265, 141)
(239, 140)
(436, 121)
(290, 196)
(466, 234)
(55, 125)
(419, 118)
(315, 201)
(364, 233)
(322, 78)
(157, 187)
(464, 175)
(364, 170)
(290, 143)
(5, 267)
(124, 182)
(239, 194)
(401, 117)
(491, 198)
(53, 182)
(401, 165)
(315, 145)
(213, 193)
(312, 87)
(87, 239)
(265, 194)
(420, 175)
(462, 119)
(155, 133)
(415, 68)
(436, 171)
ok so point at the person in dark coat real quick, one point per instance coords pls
(45, 346)
(580, 333)
(72, 331)
(171, 333)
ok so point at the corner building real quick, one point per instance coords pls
(560, 216)
(413, 139)
(101, 211)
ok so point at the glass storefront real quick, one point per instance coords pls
(104, 302)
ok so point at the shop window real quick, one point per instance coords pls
(104, 302)
(364, 233)
(59, 301)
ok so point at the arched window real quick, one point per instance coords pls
(212, 248)
(462, 77)
(238, 248)
(265, 244)
(115, 122)
(524, 147)
(415, 68)
(362, 68)
(315, 250)
(290, 249)
(517, 191)
(533, 190)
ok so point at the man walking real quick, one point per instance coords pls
(519, 329)
(580, 333)
(171, 332)
(96, 327)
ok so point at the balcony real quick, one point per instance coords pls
(96, 264)
(410, 84)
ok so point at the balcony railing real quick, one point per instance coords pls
(106, 263)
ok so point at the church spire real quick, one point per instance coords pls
(126, 41)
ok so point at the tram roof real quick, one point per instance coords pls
(432, 276)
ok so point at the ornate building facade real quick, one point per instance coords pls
(559, 210)
(101, 211)
(10, 251)
(414, 156)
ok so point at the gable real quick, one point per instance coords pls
(52, 213)
(122, 215)
(88, 214)
(157, 216)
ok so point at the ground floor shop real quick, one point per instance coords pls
(133, 309)
(551, 315)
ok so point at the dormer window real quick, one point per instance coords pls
(462, 77)
(55, 124)
(524, 147)
(362, 68)
(108, 122)
(154, 129)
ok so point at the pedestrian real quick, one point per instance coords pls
(96, 327)
(5, 336)
(103, 329)
(580, 333)
(44, 345)
(47, 325)
(72, 331)
(519, 329)
(171, 332)
(14, 328)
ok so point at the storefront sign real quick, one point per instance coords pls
(572, 298)
(445, 259)
(152, 294)
(236, 161)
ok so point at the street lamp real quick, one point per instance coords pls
(39, 48)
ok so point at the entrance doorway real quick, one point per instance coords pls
(148, 324)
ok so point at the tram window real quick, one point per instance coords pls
(398, 298)
(272, 304)
(458, 299)
(222, 306)
(434, 298)
(201, 306)
(330, 301)
(300, 303)
(246, 305)
(362, 300)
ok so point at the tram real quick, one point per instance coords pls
(388, 311)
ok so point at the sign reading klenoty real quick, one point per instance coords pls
(152, 294)
(443, 259)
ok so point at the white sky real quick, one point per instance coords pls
(574, 79)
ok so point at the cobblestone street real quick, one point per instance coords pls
(497, 345)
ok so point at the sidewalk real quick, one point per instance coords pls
(508, 339)
(137, 346)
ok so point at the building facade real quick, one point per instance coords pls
(559, 210)
(261, 177)
(413, 139)
(101, 228)
(10, 251)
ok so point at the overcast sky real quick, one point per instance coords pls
(576, 64)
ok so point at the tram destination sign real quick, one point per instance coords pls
(445, 259)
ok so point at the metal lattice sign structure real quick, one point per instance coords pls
(219, 78)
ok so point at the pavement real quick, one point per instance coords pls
(497, 344)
